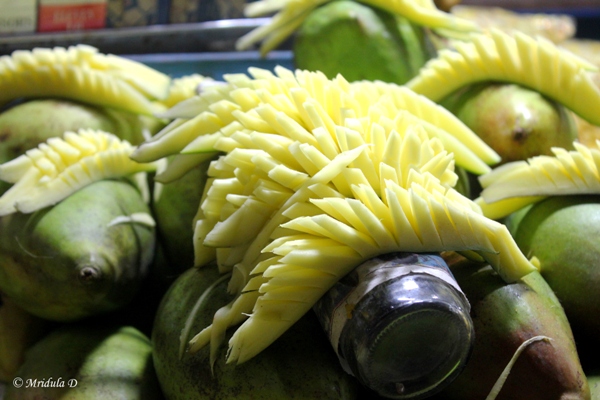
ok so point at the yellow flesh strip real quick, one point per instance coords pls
(519, 59)
(82, 73)
(43, 176)
(517, 184)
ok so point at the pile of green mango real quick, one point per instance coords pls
(95, 305)
(95, 309)
(562, 300)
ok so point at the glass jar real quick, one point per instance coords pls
(400, 324)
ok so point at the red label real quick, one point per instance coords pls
(71, 17)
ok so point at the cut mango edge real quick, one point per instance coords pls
(517, 58)
(289, 15)
(515, 185)
(49, 173)
(82, 73)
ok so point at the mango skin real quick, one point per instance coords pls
(175, 205)
(504, 316)
(594, 382)
(25, 125)
(562, 232)
(64, 263)
(299, 365)
(19, 330)
(360, 42)
(517, 122)
(107, 362)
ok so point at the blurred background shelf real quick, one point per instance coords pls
(220, 35)
(176, 38)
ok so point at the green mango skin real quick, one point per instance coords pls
(517, 122)
(28, 124)
(594, 383)
(361, 43)
(463, 185)
(299, 365)
(64, 262)
(175, 205)
(504, 316)
(25, 125)
(562, 232)
(19, 330)
(107, 362)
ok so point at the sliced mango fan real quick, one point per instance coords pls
(517, 184)
(309, 100)
(45, 175)
(82, 73)
(518, 58)
(291, 13)
(316, 176)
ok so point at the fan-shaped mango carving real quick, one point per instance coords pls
(517, 184)
(82, 73)
(303, 102)
(518, 58)
(47, 174)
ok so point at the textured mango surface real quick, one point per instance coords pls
(82, 73)
(514, 185)
(45, 175)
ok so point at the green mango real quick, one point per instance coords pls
(562, 232)
(504, 316)
(18, 331)
(299, 365)
(175, 205)
(594, 383)
(464, 184)
(67, 261)
(81, 362)
(517, 122)
(361, 43)
(25, 125)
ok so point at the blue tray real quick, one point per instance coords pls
(214, 65)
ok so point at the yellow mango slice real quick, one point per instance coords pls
(82, 73)
(518, 58)
(184, 88)
(360, 226)
(515, 185)
(49, 173)
(301, 108)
